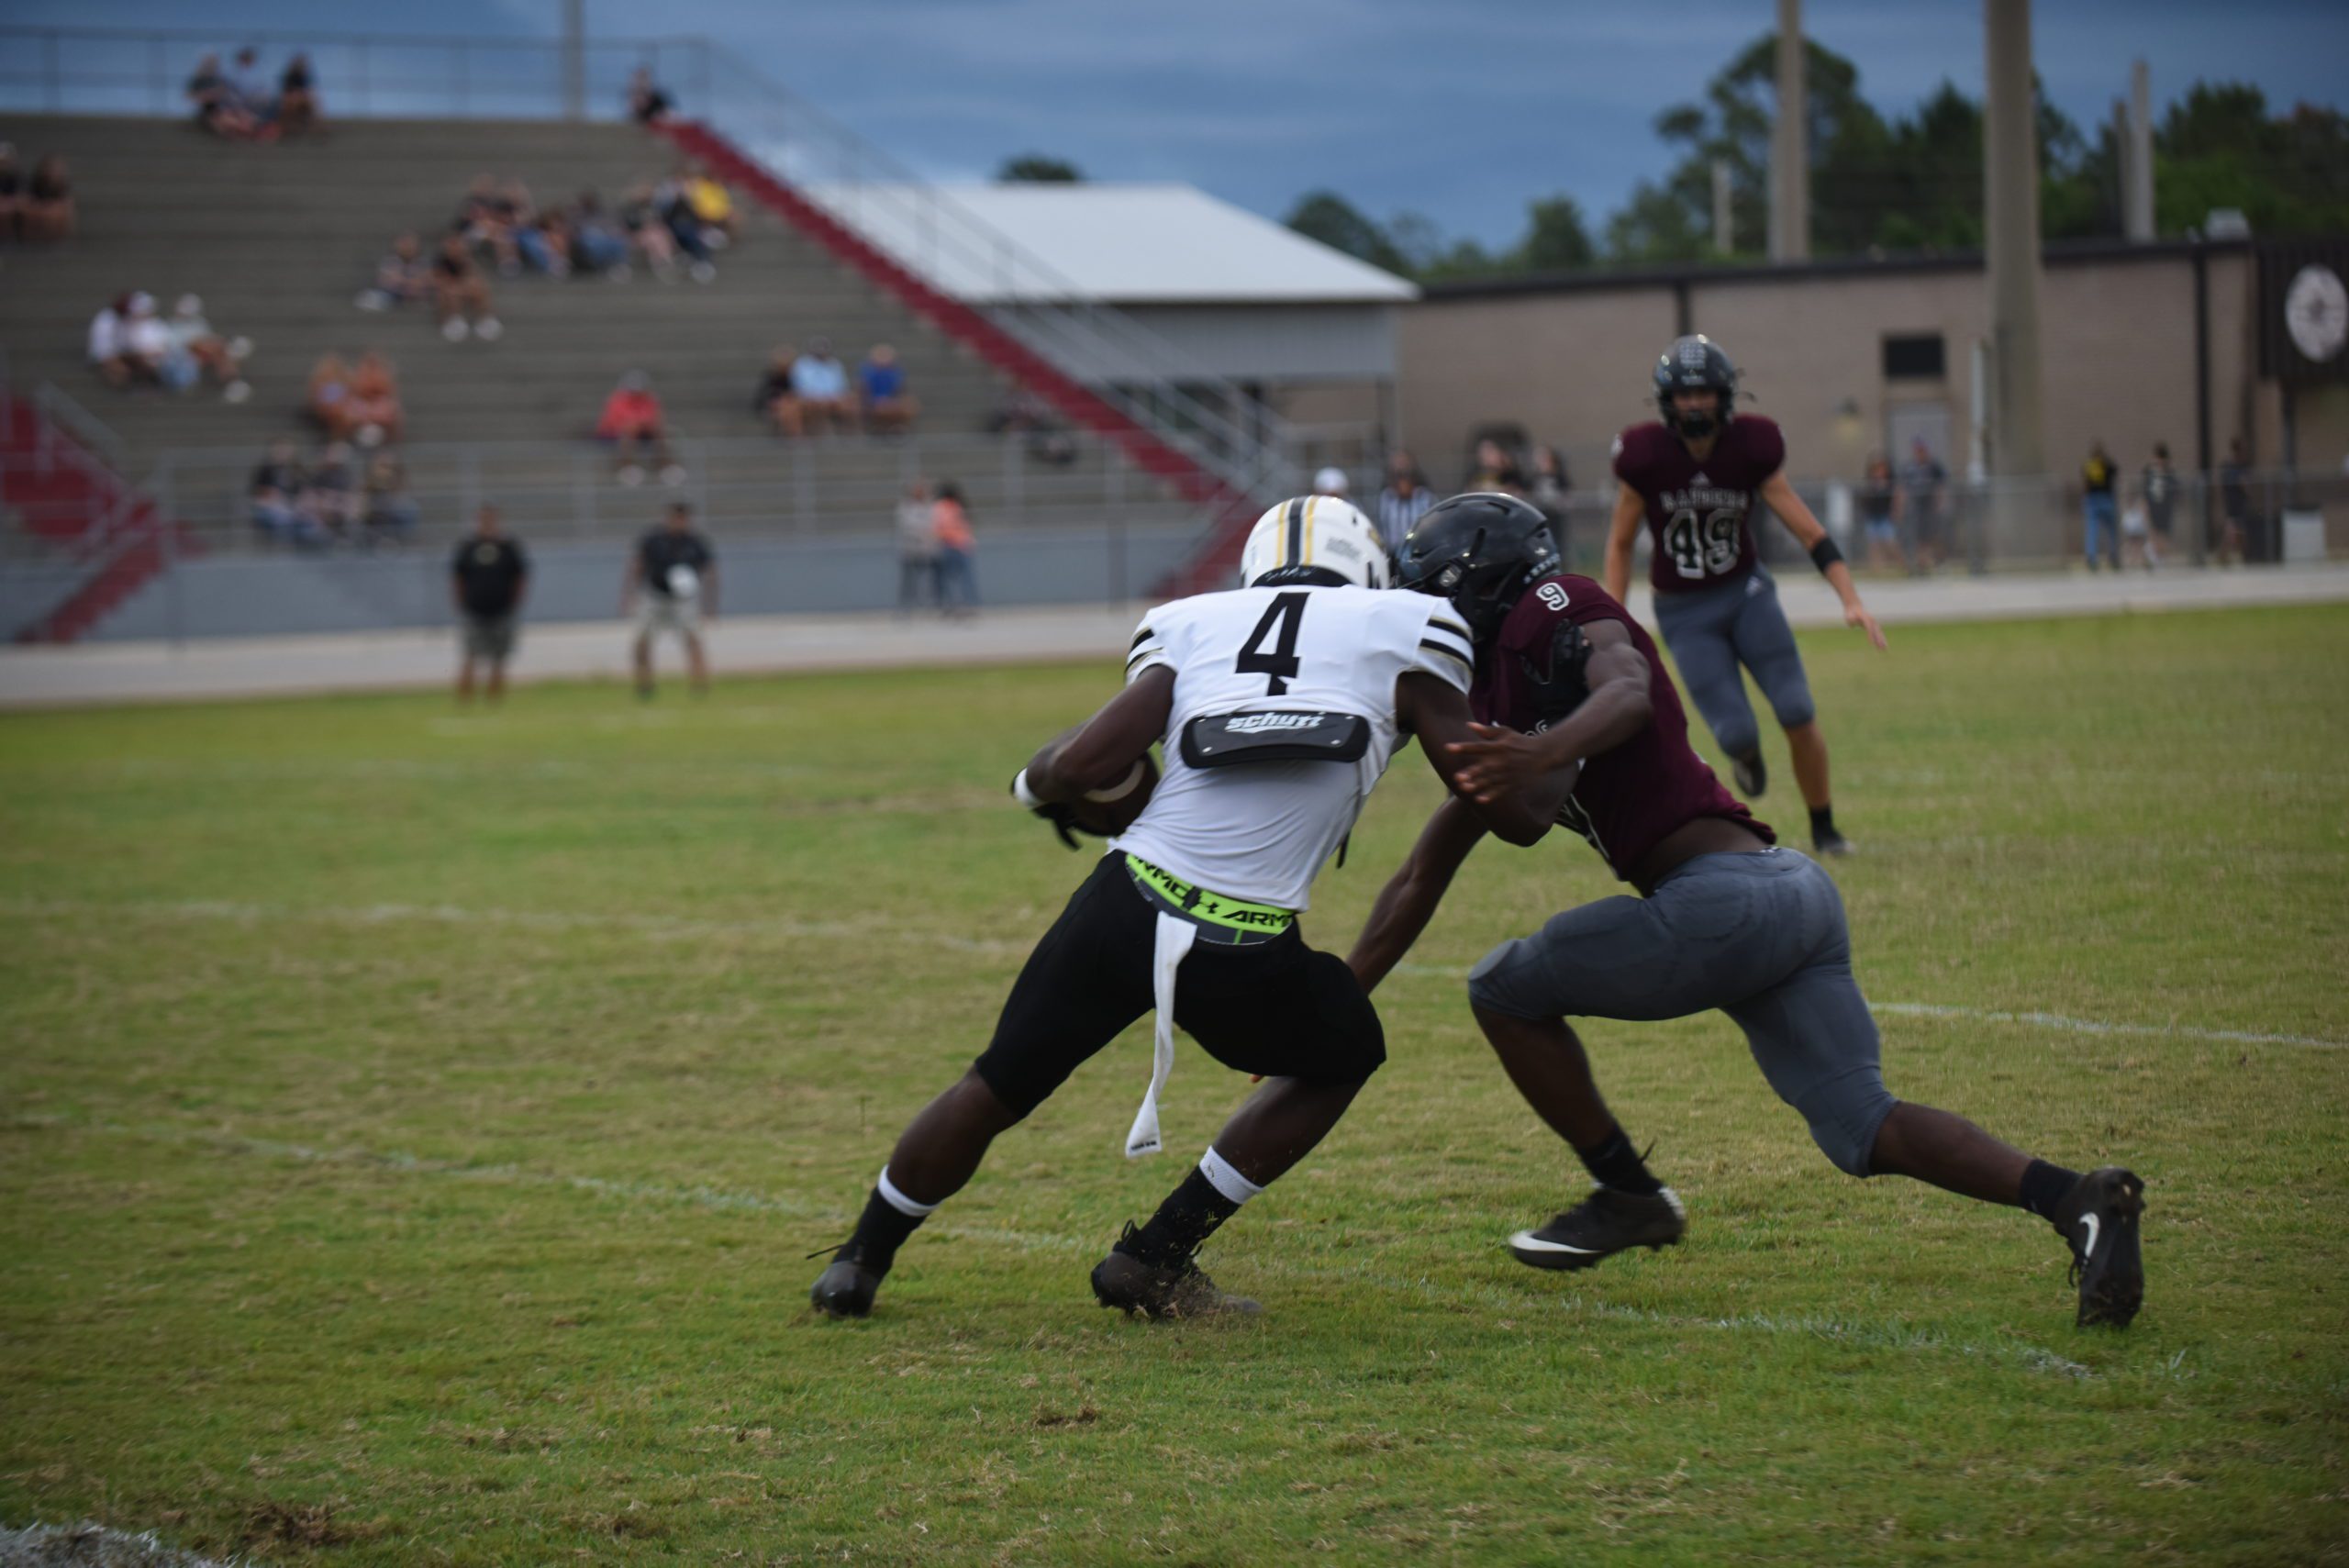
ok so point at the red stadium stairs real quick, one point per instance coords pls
(81, 514)
(1232, 510)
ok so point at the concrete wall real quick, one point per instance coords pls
(261, 595)
(1571, 365)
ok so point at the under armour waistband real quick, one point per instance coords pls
(1220, 919)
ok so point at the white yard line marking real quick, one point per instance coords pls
(661, 926)
(2098, 1026)
(1865, 1335)
(2037, 1020)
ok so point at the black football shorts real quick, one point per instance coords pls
(1277, 1007)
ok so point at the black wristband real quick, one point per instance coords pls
(1824, 554)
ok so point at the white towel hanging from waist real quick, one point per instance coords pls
(1172, 941)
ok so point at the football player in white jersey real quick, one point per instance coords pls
(1279, 705)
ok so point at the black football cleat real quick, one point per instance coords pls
(2098, 1218)
(845, 1289)
(1751, 775)
(1831, 842)
(1606, 1222)
(1162, 1290)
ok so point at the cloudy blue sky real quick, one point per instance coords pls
(1460, 110)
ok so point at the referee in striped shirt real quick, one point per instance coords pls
(1403, 501)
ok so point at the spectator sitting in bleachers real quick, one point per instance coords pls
(147, 343)
(402, 277)
(596, 246)
(255, 92)
(488, 217)
(544, 243)
(298, 98)
(712, 205)
(109, 347)
(222, 359)
(677, 213)
(1024, 413)
(649, 232)
(12, 192)
(647, 104)
(274, 492)
(889, 408)
(390, 510)
(460, 294)
(372, 414)
(819, 393)
(633, 426)
(331, 498)
(773, 401)
(325, 400)
(47, 210)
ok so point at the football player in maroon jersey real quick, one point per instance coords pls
(1694, 475)
(1726, 919)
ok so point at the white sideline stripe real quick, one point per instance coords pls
(2037, 1020)
(661, 926)
(1873, 1336)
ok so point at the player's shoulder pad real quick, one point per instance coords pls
(1636, 447)
(1561, 596)
(1764, 442)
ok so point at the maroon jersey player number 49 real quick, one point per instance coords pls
(1695, 477)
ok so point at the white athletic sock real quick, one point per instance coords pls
(900, 1201)
(1235, 1187)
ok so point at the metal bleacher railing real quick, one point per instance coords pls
(1203, 413)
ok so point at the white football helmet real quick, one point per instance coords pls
(1315, 538)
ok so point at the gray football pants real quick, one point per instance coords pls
(1760, 936)
(1711, 632)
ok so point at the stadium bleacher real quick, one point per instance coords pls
(278, 240)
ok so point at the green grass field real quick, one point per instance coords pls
(414, 1123)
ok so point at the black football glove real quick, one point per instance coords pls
(1062, 817)
(1560, 688)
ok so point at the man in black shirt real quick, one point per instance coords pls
(487, 578)
(671, 583)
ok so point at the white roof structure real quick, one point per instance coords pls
(1125, 244)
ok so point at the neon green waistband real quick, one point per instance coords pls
(1211, 908)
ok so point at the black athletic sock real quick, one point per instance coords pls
(1615, 1164)
(880, 1231)
(1187, 1217)
(2044, 1187)
(1822, 821)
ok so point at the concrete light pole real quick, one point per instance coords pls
(574, 59)
(1790, 144)
(2018, 442)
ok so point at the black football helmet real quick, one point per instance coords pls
(1692, 364)
(1480, 550)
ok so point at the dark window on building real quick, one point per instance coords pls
(1915, 357)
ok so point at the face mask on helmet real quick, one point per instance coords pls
(1314, 541)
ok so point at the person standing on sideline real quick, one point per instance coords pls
(917, 549)
(1404, 501)
(1917, 508)
(950, 532)
(2234, 502)
(1696, 477)
(671, 585)
(2159, 487)
(1878, 499)
(488, 578)
(2103, 522)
